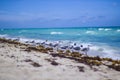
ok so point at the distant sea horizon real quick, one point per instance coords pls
(61, 27)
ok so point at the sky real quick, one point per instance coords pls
(59, 13)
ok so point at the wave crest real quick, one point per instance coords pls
(90, 32)
(3, 35)
(56, 33)
(118, 30)
(107, 29)
(104, 29)
(100, 29)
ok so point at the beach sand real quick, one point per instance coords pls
(18, 64)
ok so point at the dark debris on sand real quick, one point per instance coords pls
(28, 60)
(36, 64)
(81, 68)
(33, 63)
(54, 63)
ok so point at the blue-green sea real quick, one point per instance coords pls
(104, 42)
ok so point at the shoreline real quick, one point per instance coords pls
(96, 49)
(34, 59)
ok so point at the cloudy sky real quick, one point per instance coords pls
(59, 13)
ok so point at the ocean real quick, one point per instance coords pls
(104, 42)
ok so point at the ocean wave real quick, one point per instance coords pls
(3, 35)
(56, 33)
(118, 30)
(100, 29)
(107, 29)
(28, 39)
(90, 32)
(104, 51)
(104, 29)
(2, 29)
(22, 31)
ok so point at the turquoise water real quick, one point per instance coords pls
(106, 41)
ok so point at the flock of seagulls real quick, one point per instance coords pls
(61, 46)
(72, 47)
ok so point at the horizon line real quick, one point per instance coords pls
(65, 27)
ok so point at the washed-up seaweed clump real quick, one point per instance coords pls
(36, 64)
(92, 61)
(3, 40)
(81, 68)
(40, 49)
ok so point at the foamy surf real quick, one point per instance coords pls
(100, 29)
(104, 29)
(118, 30)
(3, 35)
(105, 51)
(91, 32)
(56, 33)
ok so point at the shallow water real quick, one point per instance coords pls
(104, 42)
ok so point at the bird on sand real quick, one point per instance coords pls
(86, 49)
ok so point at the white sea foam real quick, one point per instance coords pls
(100, 29)
(118, 30)
(107, 29)
(90, 32)
(30, 40)
(3, 35)
(56, 33)
(104, 29)
(104, 51)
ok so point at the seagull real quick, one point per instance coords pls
(71, 47)
(86, 49)
(50, 44)
(44, 43)
(64, 47)
(75, 44)
(55, 45)
(77, 48)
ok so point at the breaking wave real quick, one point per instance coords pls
(104, 51)
(107, 29)
(100, 29)
(104, 29)
(4, 35)
(91, 32)
(56, 33)
(118, 30)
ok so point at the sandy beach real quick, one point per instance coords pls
(17, 63)
(59, 39)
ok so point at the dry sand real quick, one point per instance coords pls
(18, 64)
